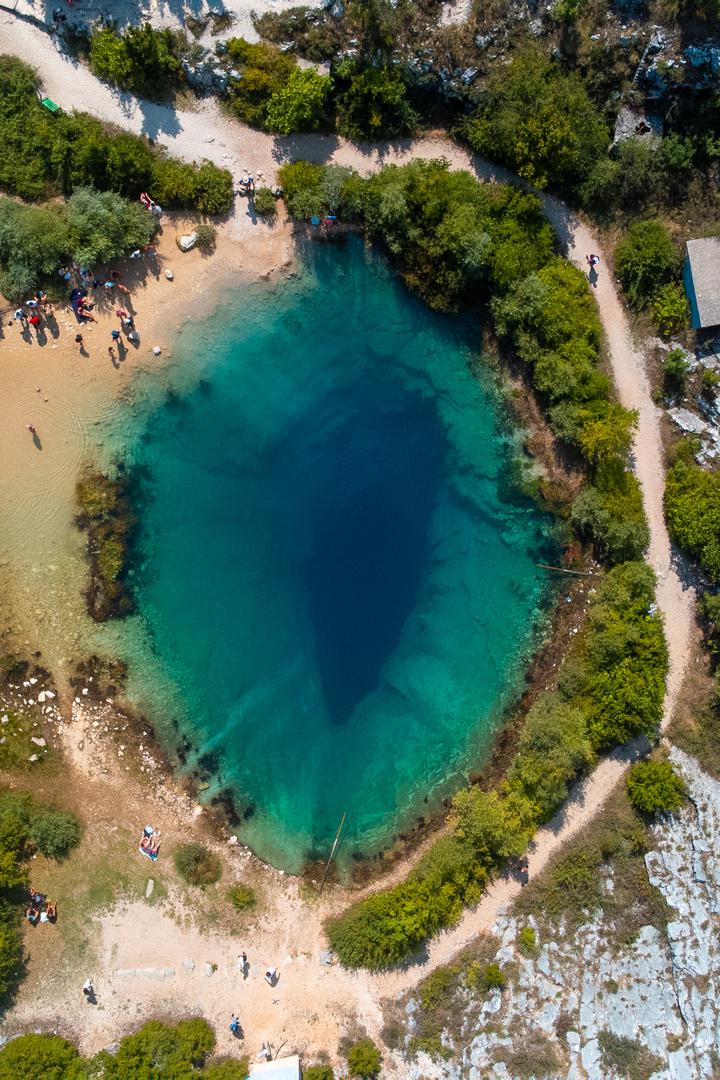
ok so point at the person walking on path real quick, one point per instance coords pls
(235, 1024)
(89, 992)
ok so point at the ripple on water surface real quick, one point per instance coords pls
(336, 579)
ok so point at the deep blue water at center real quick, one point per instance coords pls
(336, 574)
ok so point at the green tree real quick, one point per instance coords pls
(33, 243)
(229, 1069)
(53, 832)
(654, 788)
(540, 122)
(692, 509)
(607, 432)
(109, 58)
(264, 72)
(670, 309)
(104, 226)
(675, 372)
(213, 189)
(143, 59)
(364, 1059)
(318, 1072)
(265, 203)
(298, 105)
(157, 1049)
(554, 749)
(495, 827)
(645, 259)
(30, 1057)
(374, 103)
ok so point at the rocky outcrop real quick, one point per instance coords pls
(661, 995)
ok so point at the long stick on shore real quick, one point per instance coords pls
(562, 570)
(332, 854)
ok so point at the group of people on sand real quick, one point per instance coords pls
(34, 311)
(40, 909)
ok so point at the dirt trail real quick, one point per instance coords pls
(333, 994)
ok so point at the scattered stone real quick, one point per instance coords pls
(38, 741)
(209, 969)
(149, 888)
(189, 965)
(187, 242)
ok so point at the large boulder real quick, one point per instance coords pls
(187, 242)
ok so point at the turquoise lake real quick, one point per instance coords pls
(335, 570)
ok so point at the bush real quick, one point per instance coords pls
(298, 105)
(364, 1059)
(675, 370)
(654, 787)
(318, 1072)
(206, 236)
(540, 122)
(50, 155)
(644, 260)
(53, 832)
(32, 1056)
(242, 897)
(228, 1069)
(670, 310)
(103, 226)
(692, 509)
(142, 59)
(264, 73)
(196, 864)
(33, 243)
(492, 978)
(265, 203)
(374, 103)
(527, 941)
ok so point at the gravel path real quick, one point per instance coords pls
(206, 132)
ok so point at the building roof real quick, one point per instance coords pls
(702, 280)
(281, 1069)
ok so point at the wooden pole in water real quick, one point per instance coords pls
(332, 854)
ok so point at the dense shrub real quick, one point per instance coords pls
(670, 309)
(206, 237)
(299, 104)
(265, 203)
(654, 787)
(318, 1072)
(645, 259)
(48, 155)
(675, 372)
(103, 226)
(177, 1052)
(264, 72)
(540, 122)
(692, 508)
(48, 1056)
(373, 104)
(53, 832)
(388, 926)
(33, 243)
(492, 978)
(364, 1059)
(196, 864)
(141, 59)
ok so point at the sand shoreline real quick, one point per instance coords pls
(69, 398)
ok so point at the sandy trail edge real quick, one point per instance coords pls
(207, 132)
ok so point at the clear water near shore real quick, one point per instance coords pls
(335, 574)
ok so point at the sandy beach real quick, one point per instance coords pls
(69, 395)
